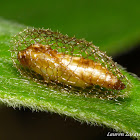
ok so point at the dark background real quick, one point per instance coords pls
(101, 22)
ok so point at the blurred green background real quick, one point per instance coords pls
(109, 24)
(112, 25)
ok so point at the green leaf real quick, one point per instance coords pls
(122, 115)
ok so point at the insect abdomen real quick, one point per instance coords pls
(67, 69)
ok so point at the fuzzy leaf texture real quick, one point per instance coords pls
(16, 91)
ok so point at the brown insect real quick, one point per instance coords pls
(67, 63)
(67, 69)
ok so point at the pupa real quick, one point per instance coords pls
(67, 69)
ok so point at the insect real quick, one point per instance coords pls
(67, 69)
(66, 62)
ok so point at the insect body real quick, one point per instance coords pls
(67, 69)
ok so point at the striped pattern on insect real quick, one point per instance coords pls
(75, 71)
